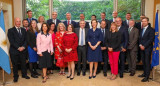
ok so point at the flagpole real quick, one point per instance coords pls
(3, 77)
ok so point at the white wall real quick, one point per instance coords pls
(149, 10)
(17, 5)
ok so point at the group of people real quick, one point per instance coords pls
(69, 42)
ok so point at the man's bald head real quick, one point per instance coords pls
(118, 21)
(17, 22)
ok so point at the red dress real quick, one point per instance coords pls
(58, 42)
(70, 41)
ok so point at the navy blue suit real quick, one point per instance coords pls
(138, 26)
(108, 23)
(124, 43)
(111, 20)
(147, 42)
(31, 20)
(57, 22)
(72, 22)
(124, 23)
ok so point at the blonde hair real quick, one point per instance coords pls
(58, 28)
(40, 17)
(113, 23)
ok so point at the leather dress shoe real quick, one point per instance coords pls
(121, 75)
(26, 77)
(84, 73)
(34, 76)
(15, 79)
(105, 74)
(145, 79)
(141, 75)
(78, 73)
(132, 74)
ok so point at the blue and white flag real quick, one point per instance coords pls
(4, 57)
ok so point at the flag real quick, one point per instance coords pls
(155, 53)
(4, 57)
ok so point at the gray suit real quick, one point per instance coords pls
(82, 52)
(132, 49)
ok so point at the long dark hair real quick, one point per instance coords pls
(47, 27)
(50, 26)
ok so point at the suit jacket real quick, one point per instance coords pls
(108, 23)
(111, 20)
(77, 32)
(103, 44)
(32, 19)
(124, 38)
(133, 39)
(86, 25)
(138, 25)
(16, 41)
(124, 23)
(57, 22)
(113, 40)
(72, 22)
(147, 39)
(31, 39)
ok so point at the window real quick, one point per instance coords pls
(38, 7)
(87, 7)
(131, 6)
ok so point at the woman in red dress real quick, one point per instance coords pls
(69, 48)
(58, 45)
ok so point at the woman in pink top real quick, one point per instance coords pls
(51, 31)
(44, 49)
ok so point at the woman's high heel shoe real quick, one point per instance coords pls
(68, 76)
(44, 80)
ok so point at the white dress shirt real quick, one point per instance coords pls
(54, 20)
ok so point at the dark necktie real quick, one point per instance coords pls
(19, 32)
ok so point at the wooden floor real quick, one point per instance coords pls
(100, 80)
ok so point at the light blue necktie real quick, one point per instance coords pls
(143, 32)
(81, 37)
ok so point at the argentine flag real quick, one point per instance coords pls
(4, 57)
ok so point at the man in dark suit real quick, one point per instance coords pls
(18, 48)
(104, 50)
(69, 21)
(103, 17)
(124, 44)
(146, 45)
(132, 48)
(25, 24)
(139, 26)
(55, 20)
(114, 14)
(29, 13)
(126, 22)
(82, 17)
(82, 47)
